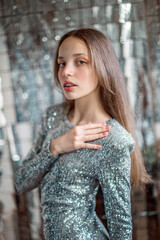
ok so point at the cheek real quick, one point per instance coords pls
(85, 76)
(58, 73)
(59, 76)
(90, 79)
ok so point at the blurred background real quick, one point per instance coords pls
(29, 32)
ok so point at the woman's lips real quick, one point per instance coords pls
(69, 86)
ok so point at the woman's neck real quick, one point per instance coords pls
(87, 110)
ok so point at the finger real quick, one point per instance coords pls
(95, 136)
(91, 146)
(93, 125)
(97, 130)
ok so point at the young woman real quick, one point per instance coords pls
(85, 142)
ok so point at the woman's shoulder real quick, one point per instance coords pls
(57, 109)
(54, 114)
(118, 137)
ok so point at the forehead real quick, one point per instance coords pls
(71, 46)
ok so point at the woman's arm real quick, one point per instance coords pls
(37, 162)
(114, 178)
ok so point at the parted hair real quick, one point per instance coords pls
(113, 90)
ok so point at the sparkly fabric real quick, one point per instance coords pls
(69, 182)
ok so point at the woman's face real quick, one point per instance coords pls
(75, 74)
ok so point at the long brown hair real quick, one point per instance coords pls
(113, 90)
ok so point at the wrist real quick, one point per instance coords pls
(53, 149)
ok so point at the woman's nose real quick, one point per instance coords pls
(68, 70)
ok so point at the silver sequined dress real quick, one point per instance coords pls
(69, 182)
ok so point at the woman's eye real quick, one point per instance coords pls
(80, 62)
(61, 64)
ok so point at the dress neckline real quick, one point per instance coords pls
(108, 122)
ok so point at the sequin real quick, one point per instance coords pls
(69, 182)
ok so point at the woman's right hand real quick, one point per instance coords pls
(78, 137)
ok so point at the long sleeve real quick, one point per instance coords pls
(37, 162)
(114, 178)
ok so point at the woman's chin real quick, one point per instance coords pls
(69, 98)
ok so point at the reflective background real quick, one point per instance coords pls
(29, 31)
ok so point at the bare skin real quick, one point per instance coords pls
(88, 113)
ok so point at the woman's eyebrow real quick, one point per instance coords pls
(74, 55)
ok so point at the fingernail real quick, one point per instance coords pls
(108, 127)
(99, 146)
(105, 133)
